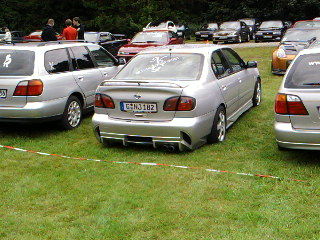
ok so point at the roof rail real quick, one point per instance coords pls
(61, 42)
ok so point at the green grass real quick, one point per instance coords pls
(52, 198)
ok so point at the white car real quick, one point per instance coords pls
(169, 25)
(176, 97)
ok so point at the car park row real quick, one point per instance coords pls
(170, 94)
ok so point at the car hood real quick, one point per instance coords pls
(293, 48)
(225, 32)
(138, 47)
(269, 29)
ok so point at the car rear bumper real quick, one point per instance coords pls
(280, 65)
(33, 111)
(183, 133)
(268, 38)
(288, 137)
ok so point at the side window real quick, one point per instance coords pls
(170, 35)
(235, 61)
(81, 58)
(101, 56)
(106, 37)
(56, 61)
(174, 35)
(219, 65)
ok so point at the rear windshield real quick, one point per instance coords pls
(304, 72)
(172, 67)
(301, 35)
(16, 62)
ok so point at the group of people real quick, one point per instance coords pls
(74, 30)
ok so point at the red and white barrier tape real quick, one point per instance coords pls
(150, 164)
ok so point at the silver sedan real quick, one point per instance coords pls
(176, 97)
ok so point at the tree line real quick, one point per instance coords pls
(129, 16)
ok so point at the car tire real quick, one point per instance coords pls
(72, 115)
(256, 41)
(215, 42)
(256, 99)
(219, 127)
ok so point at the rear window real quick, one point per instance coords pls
(171, 67)
(304, 72)
(16, 62)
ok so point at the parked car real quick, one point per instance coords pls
(147, 39)
(235, 31)
(176, 97)
(16, 36)
(297, 122)
(253, 25)
(183, 31)
(307, 24)
(294, 41)
(106, 40)
(51, 81)
(270, 31)
(36, 36)
(157, 25)
(206, 32)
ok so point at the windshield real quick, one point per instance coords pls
(212, 26)
(91, 37)
(230, 25)
(307, 24)
(16, 62)
(150, 37)
(301, 35)
(247, 21)
(272, 24)
(305, 72)
(163, 67)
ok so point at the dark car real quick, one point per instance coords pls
(183, 31)
(271, 31)
(107, 40)
(235, 31)
(206, 32)
(253, 25)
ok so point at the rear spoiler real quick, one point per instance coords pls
(109, 83)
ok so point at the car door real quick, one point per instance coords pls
(241, 74)
(104, 61)
(228, 84)
(86, 74)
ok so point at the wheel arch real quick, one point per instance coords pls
(80, 97)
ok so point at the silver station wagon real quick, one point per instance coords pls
(176, 97)
(297, 106)
(51, 81)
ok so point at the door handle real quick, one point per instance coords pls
(80, 78)
(224, 87)
(240, 80)
(105, 74)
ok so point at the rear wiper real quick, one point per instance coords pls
(312, 84)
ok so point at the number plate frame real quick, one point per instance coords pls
(125, 109)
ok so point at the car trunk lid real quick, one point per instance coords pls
(7, 87)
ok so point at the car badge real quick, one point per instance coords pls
(137, 96)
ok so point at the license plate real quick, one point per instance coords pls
(223, 37)
(204, 35)
(3, 93)
(267, 36)
(138, 107)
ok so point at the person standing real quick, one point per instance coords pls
(48, 33)
(69, 33)
(80, 27)
(7, 37)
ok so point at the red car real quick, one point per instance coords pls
(147, 39)
(36, 36)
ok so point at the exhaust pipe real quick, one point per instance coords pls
(169, 148)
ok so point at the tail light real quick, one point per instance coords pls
(289, 105)
(179, 104)
(29, 88)
(103, 101)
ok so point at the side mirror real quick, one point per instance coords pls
(121, 61)
(252, 64)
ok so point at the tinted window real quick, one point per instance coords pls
(56, 61)
(16, 62)
(101, 56)
(163, 66)
(234, 60)
(305, 72)
(219, 65)
(82, 58)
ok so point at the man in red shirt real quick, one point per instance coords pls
(69, 33)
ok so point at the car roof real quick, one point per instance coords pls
(34, 46)
(185, 48)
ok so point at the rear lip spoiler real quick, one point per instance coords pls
(140, 83)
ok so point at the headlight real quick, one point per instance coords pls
(277, 32)
(281, 53)
(258, 33)
(197, 33)
(234, 33)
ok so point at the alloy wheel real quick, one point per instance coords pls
(74, 114)
(221, 126)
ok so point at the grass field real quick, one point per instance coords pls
(45, 197)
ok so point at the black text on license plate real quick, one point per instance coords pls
(138, 107)
(3, 93)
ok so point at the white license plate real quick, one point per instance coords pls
(223, 37)
(3, 93)
(267, 36)
(204, 35)
(138, 107)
